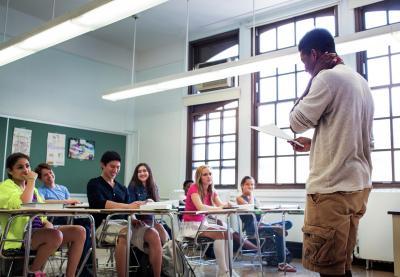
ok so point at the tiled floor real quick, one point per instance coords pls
(249, 271)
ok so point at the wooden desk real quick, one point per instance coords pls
(396, 240)
(32, 213)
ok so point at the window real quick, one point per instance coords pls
(212, 128)
(275, 90)
(380, 64)
(220, 47)
(213, 141)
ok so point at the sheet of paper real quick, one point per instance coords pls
(275, 131)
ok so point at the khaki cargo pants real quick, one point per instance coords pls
(330, 230)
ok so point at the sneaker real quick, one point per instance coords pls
(36, 274)
(286, 267)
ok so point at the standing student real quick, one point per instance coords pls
(104, 192)
(201, 196)
(143, 188)
(247, 197)
(19, 189)
(338, 104)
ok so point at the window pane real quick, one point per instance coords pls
(229, 125)
(302, 81)
(229, 138)
(268, 89)
(397, 166)
(285, 170)
(199, 152)
(286, 86)
(214, 127)
(231, 113)
(267, 71)
(396, 133)
(283, 147)
(375, 19)
(286, 35)
(396, 69)
(266, 170)
(228, 176)
(302, 27)
(199, 128)
(326, 22)
(213, 151)
(394, 16)
(268, 40)
(381, 102)
(382, 166)
(395, 48)
(231, 105)
(229, 163)
(377, 50)
(232, 51)
(214, 115)
(214, 166)
(266, 114)
(382, 134)
(282, 114)
(228, 150)
(266, 144)
(286, 68)
(302, 168)
(396, 101)
(378, 71)
(213, 139)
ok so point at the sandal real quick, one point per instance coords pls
(36, 274)
(286, 267)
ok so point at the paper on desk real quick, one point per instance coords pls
(275, 131)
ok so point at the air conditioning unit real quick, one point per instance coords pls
(217, 84)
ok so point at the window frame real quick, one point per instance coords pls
(362, 68)
(333, 10)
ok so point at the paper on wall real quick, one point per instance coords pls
(55, 149)
(21, 141)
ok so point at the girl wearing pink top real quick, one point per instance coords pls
(201, 196)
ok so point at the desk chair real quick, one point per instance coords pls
(106, 237)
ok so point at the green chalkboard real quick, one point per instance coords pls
(76, 173)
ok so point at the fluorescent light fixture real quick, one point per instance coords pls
(94, 15)
(344, 45)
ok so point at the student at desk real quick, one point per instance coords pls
(201, 196)
(55, 193)
(247, 197)
(19, 189)
(104, 192)
(143, 188)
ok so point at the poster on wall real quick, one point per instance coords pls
(21, 141)
(81, 149)
(55, 149)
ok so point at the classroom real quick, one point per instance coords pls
(173, 85)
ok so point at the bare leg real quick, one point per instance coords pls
(120, 254)
(246, 243)
(46, 241)
(164, 237)
(74, 236)
(152, 238)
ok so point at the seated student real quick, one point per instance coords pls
(186, 185)
(201, 196)
(55, 193)
(104, 192)
(52, 192)
(19, 189)
(247, 197)
(143, 188)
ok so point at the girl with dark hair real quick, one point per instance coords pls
(143, 188)
(19, 189)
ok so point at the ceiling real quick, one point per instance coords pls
(163, 24)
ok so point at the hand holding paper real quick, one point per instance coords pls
(275, 131)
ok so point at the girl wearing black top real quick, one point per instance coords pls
(143, 188)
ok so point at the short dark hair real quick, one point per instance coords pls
(13, 159)
(41, 166)
(318, 39)
(110, 156)
(244, 179)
